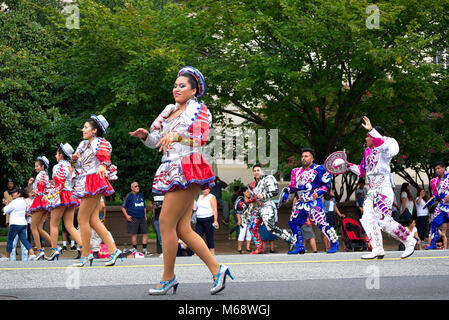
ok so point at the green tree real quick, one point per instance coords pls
(30, 122)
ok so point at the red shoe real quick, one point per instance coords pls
(258, 251)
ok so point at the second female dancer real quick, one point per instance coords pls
(61, 202)
(93, 158)
(178, 131)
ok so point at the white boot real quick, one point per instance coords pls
(378, 253)
(375, 237)
(401, 234)
(409, 244)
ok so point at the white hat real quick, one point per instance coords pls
(45, 160)
(102, 122)
(67, 149)
(336, 163)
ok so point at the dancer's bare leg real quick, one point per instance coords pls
(86, 208)
(195, 242)
(55, 217)
(100, 229)
(68, 215)
(42, 232)
(35, 222)
(177, 206)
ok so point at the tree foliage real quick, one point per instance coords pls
(30, 123)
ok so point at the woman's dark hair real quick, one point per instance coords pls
(95, 125)
(404, 189)
(41, 163)
(191, 80)
(419, 191)
(64, 156)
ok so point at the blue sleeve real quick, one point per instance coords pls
(324, 180)
(125, 203)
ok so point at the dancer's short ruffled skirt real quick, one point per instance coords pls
(182, 173)
(63, 198)
(38, 204)
(92, 185)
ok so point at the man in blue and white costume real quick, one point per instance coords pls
(310, 183)
(440, 193)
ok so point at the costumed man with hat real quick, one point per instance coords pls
(378, 203)
(440, 193)
(310, 183)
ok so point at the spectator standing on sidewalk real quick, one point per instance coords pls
(422, 213)
(135, 212)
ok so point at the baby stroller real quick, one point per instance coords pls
(351, 233)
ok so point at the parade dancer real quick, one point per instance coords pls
(92, 160)
(263, 189)
(377, 206)
(440, 193)
(179, 131)
(310, 183)
(38, 209)
(61, 203)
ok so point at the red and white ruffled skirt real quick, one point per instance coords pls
(38, 204)
(92, 185)
(63, 198)
(181, 173)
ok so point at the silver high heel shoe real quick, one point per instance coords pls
(54, 255)
(41, 255)
(166, 285)
(84, 260)
(220, 279)
(115, 256)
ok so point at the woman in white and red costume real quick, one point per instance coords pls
(38, 210)
(93, 160)
(378, 203)
(61, 202)
(179, 131)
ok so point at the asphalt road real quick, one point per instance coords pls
(268, 277)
